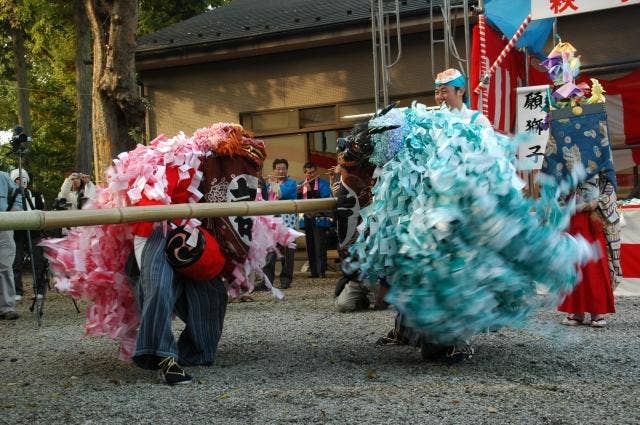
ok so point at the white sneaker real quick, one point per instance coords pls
(17, 297)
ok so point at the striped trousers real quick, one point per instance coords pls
(160, 293)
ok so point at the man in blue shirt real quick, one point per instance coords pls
(281, 187)
(10, 199)
(316, 227)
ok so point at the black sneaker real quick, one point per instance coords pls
(459, 353)
(172, 373)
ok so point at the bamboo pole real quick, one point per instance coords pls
(38, 220)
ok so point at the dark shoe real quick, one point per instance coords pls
(260, 288)
(9, 315)
(391, 338)
(432, 352)
(172, 373)
(459, 353)
(285, 284)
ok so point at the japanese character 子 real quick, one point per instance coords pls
(533, 100)
(534, 125)
(535, 152)
(559, 6)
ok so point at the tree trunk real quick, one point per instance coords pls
(118, 112)
(22, 82)
(84, 136)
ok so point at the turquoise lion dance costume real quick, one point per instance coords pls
(449, 227)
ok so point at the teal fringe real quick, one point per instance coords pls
(449, 227)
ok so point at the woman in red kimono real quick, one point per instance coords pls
(596, 220)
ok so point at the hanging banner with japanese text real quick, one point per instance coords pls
(541, 9)
(532, 104)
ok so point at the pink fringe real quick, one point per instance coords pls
(89, 262)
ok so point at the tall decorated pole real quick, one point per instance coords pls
(482, 27)
(484, 81)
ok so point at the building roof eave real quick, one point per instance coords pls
(257, 46)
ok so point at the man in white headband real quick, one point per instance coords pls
(451, 89)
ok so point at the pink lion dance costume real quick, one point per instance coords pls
(134, 297)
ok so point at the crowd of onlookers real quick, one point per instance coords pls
(318, 227)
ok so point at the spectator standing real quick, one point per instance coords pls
(32, 201)
(10, 200)
(76, 189)
(316, 227)
(281, 187)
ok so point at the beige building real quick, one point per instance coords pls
(299, 73)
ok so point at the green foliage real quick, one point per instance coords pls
(50, 52)
(157, 14)
(49, 49)
(51, 153)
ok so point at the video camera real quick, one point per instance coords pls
(20, 141)
(60, 204)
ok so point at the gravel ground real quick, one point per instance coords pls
(299, 361)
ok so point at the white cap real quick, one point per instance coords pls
(25, 175)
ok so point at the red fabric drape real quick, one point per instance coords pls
(623, 108)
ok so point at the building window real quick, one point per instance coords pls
(325, 142)
(310, 117)
(357, 112)
(322, 146)
(271, 121)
